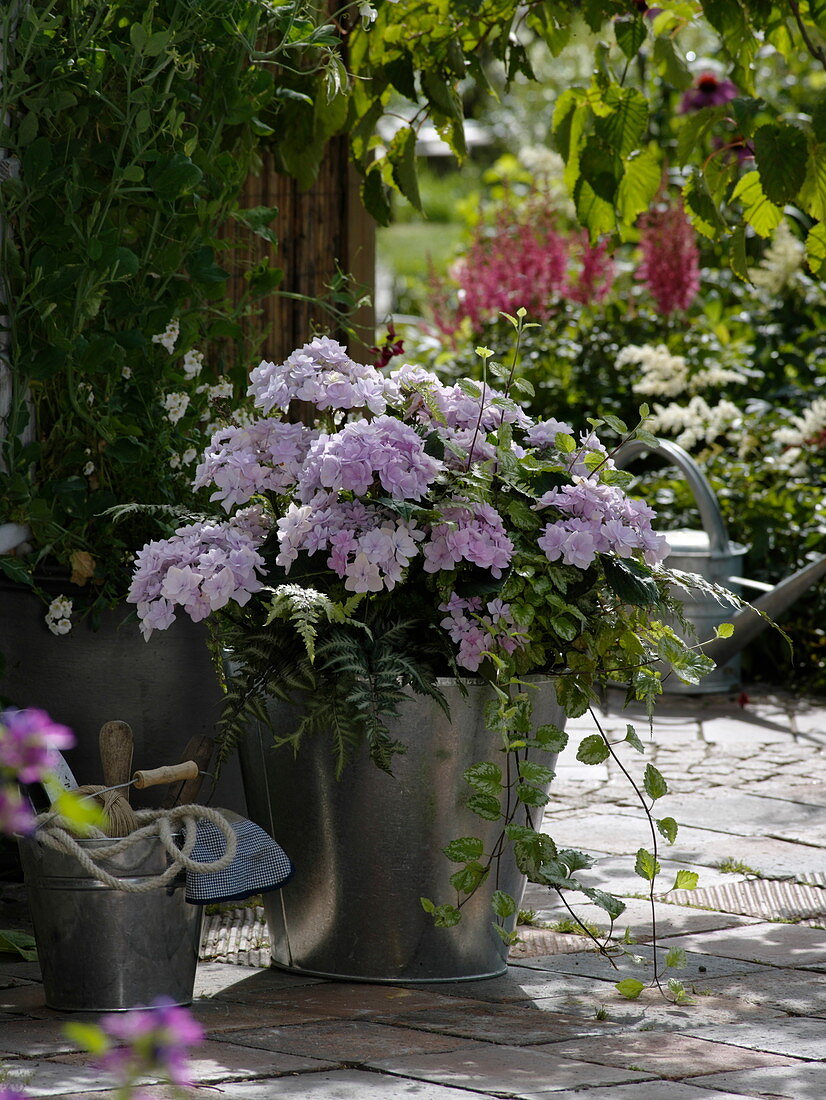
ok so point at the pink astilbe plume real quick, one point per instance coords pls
(595, 276)
(522, 262)
(670, 266)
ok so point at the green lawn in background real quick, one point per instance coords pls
(404, 249)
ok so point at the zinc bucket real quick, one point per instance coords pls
(107, 950)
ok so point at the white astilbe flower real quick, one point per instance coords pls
(781, 261)
(805, 432)
(663, 374)
(715, 375)
(696, 422)
(667, 375)
(169, 337)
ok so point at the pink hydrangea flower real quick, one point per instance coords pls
(323, 374)
(201, 568)
(468, 532)
(476, 628)
(384, 451)
(598, 519)
(266, 455)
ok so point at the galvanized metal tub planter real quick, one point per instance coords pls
(104, 950)
(367, 847)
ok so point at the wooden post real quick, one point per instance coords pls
(317, 230)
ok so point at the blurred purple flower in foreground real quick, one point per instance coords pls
(156, 1039)
(28, 742)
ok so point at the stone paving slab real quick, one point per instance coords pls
(803, 1081)
(671, 919)
(799, 1038)
(654, 1090)
(766, 943)
(796, 992)
(347, 1041)
(507, 1071)
(638, 962)
(623, 831)
(536, 1021)
(46, 1078)
(675, 1057)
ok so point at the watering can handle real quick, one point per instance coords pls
(709, 509)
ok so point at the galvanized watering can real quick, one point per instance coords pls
(710, 553)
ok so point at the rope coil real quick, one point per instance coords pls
(52, 833)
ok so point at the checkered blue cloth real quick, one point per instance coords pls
(259, 864)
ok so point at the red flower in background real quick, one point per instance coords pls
(389, 349)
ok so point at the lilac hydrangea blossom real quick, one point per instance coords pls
(323, 374)
(476, 628)
(544, 432)
(201, 568)
(242, 461)
(383, 450)
(598, 519)
(454, 415)
(369, 548)
(468, 532)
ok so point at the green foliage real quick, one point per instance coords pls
(630, 988)
(18, 943)
(134, 126)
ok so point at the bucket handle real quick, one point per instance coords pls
(707, 505)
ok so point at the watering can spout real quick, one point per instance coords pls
(748, 622)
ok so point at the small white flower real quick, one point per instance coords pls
(367, 12)
(189, 456)
(174, 461)
(59, 626)
(126, 372)
(193, 363)
(176, 405)
(60, 608)
(169, 336)
(88, 469)
(85, 389)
